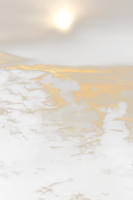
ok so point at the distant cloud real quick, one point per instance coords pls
(94, 89)
(49, 190)
(56, 147)
(8, 59)
(127, 93)
(26, 75)
(105, 194)
(63, 85)
(79, 196)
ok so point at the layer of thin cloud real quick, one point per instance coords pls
(101, 32)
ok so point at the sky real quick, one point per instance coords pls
(66, 93)
(99, 32)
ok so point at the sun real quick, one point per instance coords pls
(64, 20)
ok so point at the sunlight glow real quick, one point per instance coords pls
(64, 20)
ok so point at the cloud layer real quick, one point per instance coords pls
(101, 33)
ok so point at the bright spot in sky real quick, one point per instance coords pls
(64, 20)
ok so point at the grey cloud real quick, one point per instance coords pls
(63, 84)
(93, 89)
(127, 93)
(68, 85)
(50, 79)
(103, 109)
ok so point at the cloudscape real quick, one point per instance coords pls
(98, 32)
(66, 92)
